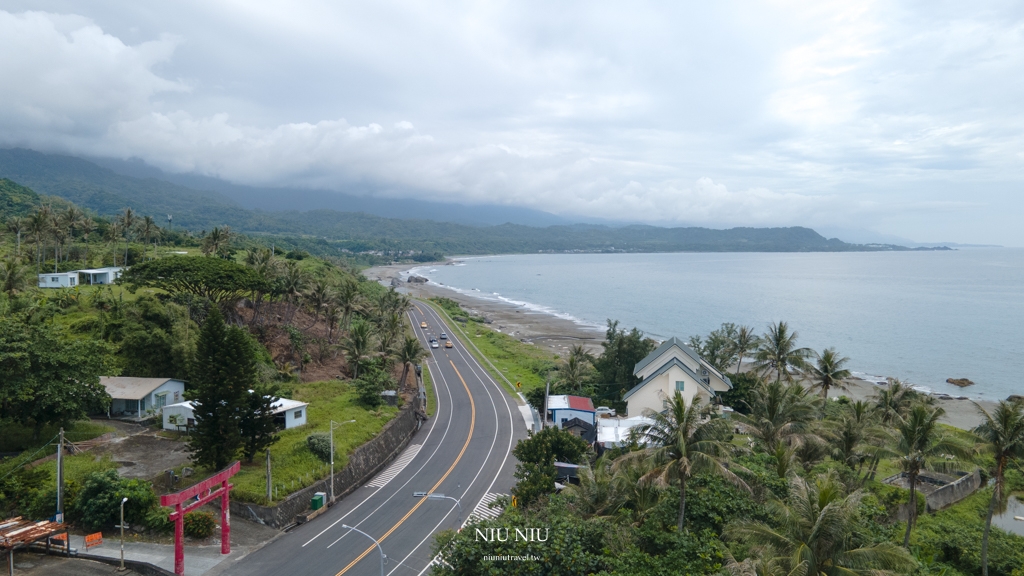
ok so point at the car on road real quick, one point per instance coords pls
(423, 324)
(434, 344)
(603, 411)
(444, 336)
(447, 343)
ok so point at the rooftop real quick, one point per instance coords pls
(566, 402)
(130, 387)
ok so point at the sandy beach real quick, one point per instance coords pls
(558, 335)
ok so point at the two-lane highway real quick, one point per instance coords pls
(462, 452)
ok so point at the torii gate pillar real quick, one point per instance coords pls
(193, 497)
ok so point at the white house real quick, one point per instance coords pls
(134, 396)
(673, 366)
(101, 275)
(615, 432)
(58, 280)
(287, 414)
(564, 408)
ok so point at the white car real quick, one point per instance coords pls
(604, 411)
(434, 344)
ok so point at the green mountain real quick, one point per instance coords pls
(326, 231)
(16, 200)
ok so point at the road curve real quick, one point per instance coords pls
(462, 452)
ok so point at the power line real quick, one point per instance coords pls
(30, 458)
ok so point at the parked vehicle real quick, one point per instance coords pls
(604, 411)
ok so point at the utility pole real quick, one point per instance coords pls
(547, 391)
(121, 569)
(60, 476)
(269, 481)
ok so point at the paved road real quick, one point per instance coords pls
(463, 451)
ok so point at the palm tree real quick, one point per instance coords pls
(87, 226)
(892, 403)
(347, 298)
(319, 295)
(38, 224)
(72, 218)
(293, 282)
(829, 372)
(14, 277)
(780, 413)
(852, 436)
(777, 352)
(388, 333)
(597, 493)
(16, 226)
(217, 239)
(1003, 435)
(113, 237)
(919, 443)
(128, 219)
(744, 342)
(60, 234)
(408, 354)
(149, 229)
(576, 368)
(358, 345)
(817, 524)
(684, 439)
(332, 316)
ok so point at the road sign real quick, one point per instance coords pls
(519, 384)
(515, 502)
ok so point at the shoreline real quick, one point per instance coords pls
(558, 334)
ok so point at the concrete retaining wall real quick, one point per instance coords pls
(364, 462)
(954, 492)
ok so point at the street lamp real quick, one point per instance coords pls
(123, 500)
(436, 496)
(333, 426)
(379, 549)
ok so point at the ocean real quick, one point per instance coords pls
(919, 316)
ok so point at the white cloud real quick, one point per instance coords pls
(721, 114)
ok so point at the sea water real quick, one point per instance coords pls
(919, 316)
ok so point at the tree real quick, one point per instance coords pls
(49, 378)
(537, 454)
(292, 284)
(257, 426)
(718, 348)
(37, 226)
(15, 277)
(128, 219)
(829, 372)
(622, 351)
(685, 439)
(221, 281)
(920, 442)
(410, 353)
(319, 296)
(347, 299)
(99, 502)
(779, 413)
(371, 383)
(16, 225)
(216, 241)
(87, 227)
(358, 345)
(149, 229)
(892, 403)
(778, 353)
(1003, 435)
(577, 367)
(744, 342)
(224, 371)
(817, 534)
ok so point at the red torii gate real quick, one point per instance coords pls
(193, 498)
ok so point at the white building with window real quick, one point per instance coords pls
(672, 367)
(133, 397)
(106, 275)
(287, 414)
(58, 280)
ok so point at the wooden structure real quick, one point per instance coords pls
(19, 533)
(193, 497)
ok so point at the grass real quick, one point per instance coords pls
(511, 359)
(429, 386)
(78, 467)
(17, 438)
(293, 466)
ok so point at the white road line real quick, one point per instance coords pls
(483, 510)
(396, 467)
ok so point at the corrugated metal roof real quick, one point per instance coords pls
(130, 387)
(564, 402)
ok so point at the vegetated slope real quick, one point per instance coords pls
(16, 200)
(107, 192)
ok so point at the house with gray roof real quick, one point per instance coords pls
(133, 397)
(672, 367)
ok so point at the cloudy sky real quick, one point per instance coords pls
(903, 118)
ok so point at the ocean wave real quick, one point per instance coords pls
(530, 306)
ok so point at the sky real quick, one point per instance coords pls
(901, 118)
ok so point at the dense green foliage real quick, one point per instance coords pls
(320, 445)
(15, 199)
(216, 279)
(199, 524)
(622, 351)
(98, 504)
(536, 457)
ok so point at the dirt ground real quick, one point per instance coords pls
(140, 452)
(35, 564)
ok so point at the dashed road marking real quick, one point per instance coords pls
(483, 510)
(396, 467)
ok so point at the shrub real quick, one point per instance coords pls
(320, 445)
(370, 384)
(99, 502)
(199, 524)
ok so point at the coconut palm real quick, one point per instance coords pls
(891, 403)
(575, 369)
(743, 343)
(388, 333)
(128, 218)
(14, 277)
(218, 239)
(60, 235)
(38, 225)
(16, 225)
(149, 229)
(320, 294)
(852, 436)
(597, 493)
(777, 352)
(113, 236)
(780, 413)
(828, 372)
(816, 534)
(71, 219)
(682, 440)
(293, 282)
(87, 226)
(358, 345)
(409, 353)
(1003, 435)
(640, 491)
(332, 316)
(920, 443)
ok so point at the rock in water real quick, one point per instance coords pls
(961, 382)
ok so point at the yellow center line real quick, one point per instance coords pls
(418, 310)
(472, 425)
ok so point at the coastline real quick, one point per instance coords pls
(558, 334)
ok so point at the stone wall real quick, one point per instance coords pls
(364, 462)
(954, 491)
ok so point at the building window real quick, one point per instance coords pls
(161, 400)
(298, 414)
(680, 385)
(177, 395)
(53, 278)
